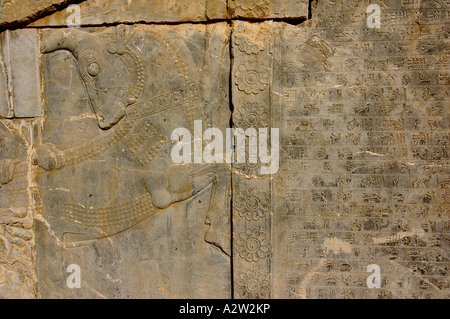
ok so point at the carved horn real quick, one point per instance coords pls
(67, 39)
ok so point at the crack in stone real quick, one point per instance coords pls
(24, 21)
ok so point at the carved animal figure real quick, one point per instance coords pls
(115, 76)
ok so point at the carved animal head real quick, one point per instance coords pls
(113, 74)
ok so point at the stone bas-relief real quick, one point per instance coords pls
(17, 276)
(98, 12)
(20, 96)
(269, 9)
(14, 12)
(87, 178)
(104, 192)
(112, 197)
(364, 172)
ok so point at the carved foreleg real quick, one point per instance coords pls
(170, 184)
(218, 216)
(48, 157)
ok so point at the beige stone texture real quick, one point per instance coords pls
(16, 12)
(98, 12)
(93, 204)
(363, 114)
(22, 74)
(269, 9)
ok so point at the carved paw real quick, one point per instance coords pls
(172, 185)
(48, 157)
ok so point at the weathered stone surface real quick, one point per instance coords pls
(112, 200)
(6, 110)
(88, 180)
(364, 169)
(20, 55)
(97, 12)
(94, 12)
(17, 259)
(252, 213)
(14, 12)
(269, 9)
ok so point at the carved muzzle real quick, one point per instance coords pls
(113, 74)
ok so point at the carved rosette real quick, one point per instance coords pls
(250, 47)
(252, 245)
(252, 115)
(252, 204)
(252, 285)
(252, 8)
(252, 218)
(252, 76)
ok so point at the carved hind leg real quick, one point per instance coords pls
(218, 216)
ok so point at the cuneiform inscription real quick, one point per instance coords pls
(364, 154)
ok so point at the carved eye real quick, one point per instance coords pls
(93, 69)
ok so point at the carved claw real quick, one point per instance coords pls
(48, 157)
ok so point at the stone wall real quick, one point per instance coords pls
(93, 204)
